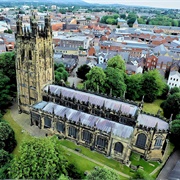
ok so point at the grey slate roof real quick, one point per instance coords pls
(151, 121)
(164, 59)
(119, 130)
(126, 108)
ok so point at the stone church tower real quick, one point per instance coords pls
(34, 61)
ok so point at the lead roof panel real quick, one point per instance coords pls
(126, 108)
(105, 125)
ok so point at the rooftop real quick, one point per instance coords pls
(128, 109)
(102, 124)
(151, 121)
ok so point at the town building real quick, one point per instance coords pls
(174, 79)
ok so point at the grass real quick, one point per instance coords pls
(80, 162)
(148, 166)
(98, 157)
(153, 107)
(18, 131)
(80, 86)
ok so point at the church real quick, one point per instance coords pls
(112, 126)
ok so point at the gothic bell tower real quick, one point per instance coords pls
(34, 61)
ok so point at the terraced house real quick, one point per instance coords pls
(110, 125)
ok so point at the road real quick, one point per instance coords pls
(72, 79)
(170, 164)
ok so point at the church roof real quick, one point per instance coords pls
(151, 121)
(102, 124)
(136, 22)
(128, 109)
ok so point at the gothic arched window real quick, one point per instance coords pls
(141, 140)
(158, 142)
(118, 147)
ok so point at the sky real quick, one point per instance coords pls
(153, 3)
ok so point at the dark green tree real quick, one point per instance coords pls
(5, 94)
(7, 64)
(165, 92)
(7, 137)
(175, 131)
(60, 74)
(103, 174)
(123, 16)
(39, 159)
(5, 157)
(174, 90)
(82, 71)
(171, 105)
(152, 85)
(73, 172)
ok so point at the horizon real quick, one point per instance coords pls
(173, 4)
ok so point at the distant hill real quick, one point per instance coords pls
(80, 2)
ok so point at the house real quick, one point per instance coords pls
(133, 68)
(174, 79)
(164, 63)
(151, 62)
(66, 50)
(69, 61)
(122, 23)
(2, 48)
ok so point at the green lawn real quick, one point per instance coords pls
(153, 107)
(148, 166)
(18, 131)
(80, 86)
(98, 157)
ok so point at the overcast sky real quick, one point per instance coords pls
(153, 3)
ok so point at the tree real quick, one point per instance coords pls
(73, 172)
(9, 31)
(39, 159)
(5, 96)
(116, 62)
(7, 137)
(165, 92)
(5, 157)
(174, 90)
(134, 87)
(152, 85)
(171, 105)
(7, 64)
(82, 71)
(118, 26)
(60, 74)
(114, 84)
(175, 131)
(140, 174)
(95, 79)
(102, 174)
(131, 21)
(123, 16)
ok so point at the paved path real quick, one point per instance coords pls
(170, 164)
(24, 121)
(100, 164)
